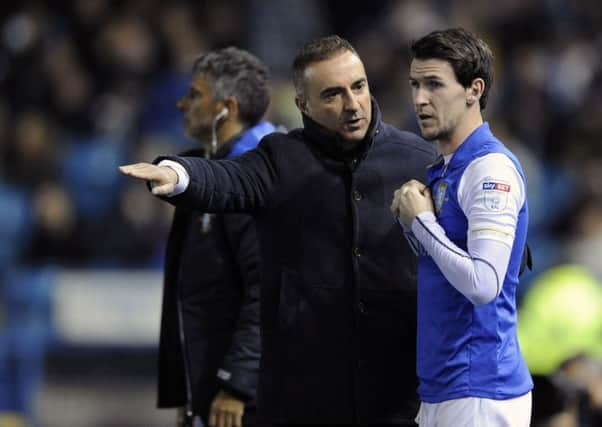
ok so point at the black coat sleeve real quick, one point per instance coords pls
(242, 184)
(240, 368)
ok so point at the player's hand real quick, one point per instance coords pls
(163, 178)
(226, 411)
(410, 200)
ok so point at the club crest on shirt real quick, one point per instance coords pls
(495, 194)
(439, 197)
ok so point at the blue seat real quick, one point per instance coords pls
(25, 333)
(16, 223)
(89, 171)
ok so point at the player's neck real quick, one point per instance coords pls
(466, 126)
(228, 130)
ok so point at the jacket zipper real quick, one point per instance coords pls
(188, 407)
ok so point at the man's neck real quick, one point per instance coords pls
(225, 133)
(461, 132)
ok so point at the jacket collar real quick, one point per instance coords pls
(331, 143)
(224, 149)
(245, 140)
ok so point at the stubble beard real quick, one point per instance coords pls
(436, 134)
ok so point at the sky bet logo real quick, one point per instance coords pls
(497, 186)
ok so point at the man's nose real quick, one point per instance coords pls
(351, 102)
(420, 97)
(180, 104)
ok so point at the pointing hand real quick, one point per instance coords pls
(163, 179)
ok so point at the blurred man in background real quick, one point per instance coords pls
(470, 222)
(210, 344)
(338, 299)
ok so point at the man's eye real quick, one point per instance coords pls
(434, 84)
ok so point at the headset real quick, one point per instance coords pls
(206, 218)
(220, 116)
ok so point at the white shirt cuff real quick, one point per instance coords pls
(183, 177)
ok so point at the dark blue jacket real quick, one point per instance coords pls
(338, 297)
(210, 313)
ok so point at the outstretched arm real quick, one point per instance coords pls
(242, 184)
(162, 179)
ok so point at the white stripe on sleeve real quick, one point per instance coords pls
(490, 193)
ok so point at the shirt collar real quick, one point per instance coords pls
(464, 153)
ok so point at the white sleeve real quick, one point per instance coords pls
(491, 193)
(183, 177)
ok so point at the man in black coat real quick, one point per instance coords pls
(210, 345)
(338, 297)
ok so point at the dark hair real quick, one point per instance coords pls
(469, 56)
(238, 73)
(317, 50)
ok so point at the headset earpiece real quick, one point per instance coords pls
(222, 114)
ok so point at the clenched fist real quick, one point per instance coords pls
(226, 411)
(410, 200)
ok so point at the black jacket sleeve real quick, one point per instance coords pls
(240, 368)
(242, 184)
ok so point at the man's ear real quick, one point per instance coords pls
(475, 91)
(301, 104)
(231, 103)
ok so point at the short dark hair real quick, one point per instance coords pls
(235, 72)
(317, 50)
(469, 56)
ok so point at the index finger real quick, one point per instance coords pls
(133, 167)
(145, 171)
(237, 422)
(224, 419)
(212, 417)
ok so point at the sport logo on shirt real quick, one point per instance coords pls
(440, 197)
(490, 185)
(495, 194)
